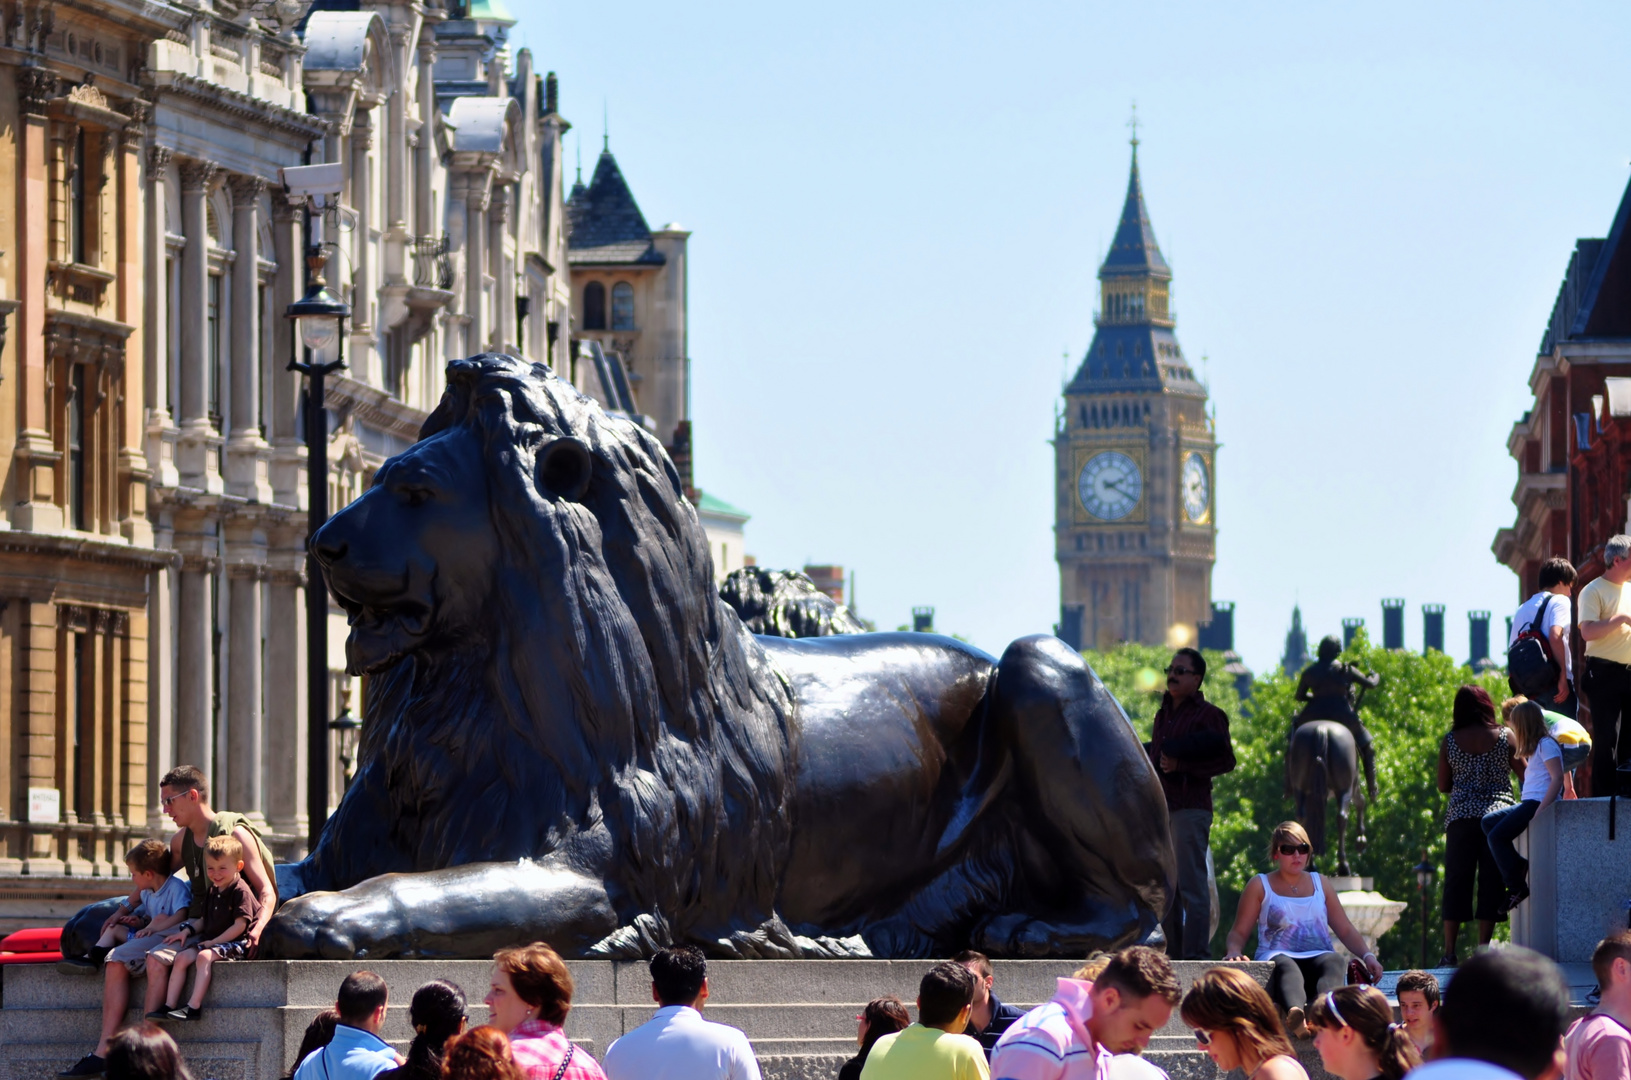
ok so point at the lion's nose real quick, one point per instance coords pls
(328, 547)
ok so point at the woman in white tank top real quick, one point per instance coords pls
(1295, 917)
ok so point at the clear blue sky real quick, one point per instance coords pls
(899, 209)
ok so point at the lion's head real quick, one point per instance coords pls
(550, 665)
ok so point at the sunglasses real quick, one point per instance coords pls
(166, 800)
(1181, 671)
(1203, 1037)
(1295, 849)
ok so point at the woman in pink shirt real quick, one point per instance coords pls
(530, 995)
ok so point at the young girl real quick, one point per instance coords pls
(1356, 1037)
(1542, 781)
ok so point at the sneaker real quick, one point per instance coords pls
(186, 1012)
(158, 1015)
(1296, 1024)
(77, 965)
(1516, 897)
(89, 1065)
(1448, 960)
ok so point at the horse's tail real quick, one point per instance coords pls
(1314, 807)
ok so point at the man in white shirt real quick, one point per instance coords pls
(677, 1043)
(1550, 612)
(1502, 1018)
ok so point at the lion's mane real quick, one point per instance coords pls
(612, 708)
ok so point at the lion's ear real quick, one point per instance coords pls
(564, 468)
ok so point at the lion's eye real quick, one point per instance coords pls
(416, 496)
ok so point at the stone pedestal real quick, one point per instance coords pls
(799, 1014)
(1371, 913)
(1579, 879)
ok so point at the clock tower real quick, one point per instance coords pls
(1135, 462)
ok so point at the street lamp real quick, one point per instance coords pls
(348, 727)
(1424, 880)
(320, 317)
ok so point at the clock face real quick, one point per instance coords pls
(1197, 487)
(1109, 485)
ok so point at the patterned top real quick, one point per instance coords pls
(539, 1046)
(1479, 783)
(1295, 926)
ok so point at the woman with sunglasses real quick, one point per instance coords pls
(1357, 1038)
(1238, 1027)
(1295, 916)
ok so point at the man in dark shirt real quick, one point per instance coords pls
(989, 1017)
(1189, 746)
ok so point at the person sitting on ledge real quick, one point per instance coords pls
(1295, 916)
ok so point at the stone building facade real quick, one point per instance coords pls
(1135, 459)
(152, 568)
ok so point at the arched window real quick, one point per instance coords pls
(622, 306)
(594, 306)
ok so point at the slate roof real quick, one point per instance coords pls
(1594, 301)
(1134, 250)
(604, 223)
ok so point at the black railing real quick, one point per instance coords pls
(432, 265)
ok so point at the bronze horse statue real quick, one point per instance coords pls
(1322, 761)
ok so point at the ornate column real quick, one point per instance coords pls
(246, 450)
(198, 440)
(34, 479)
(498, 254)
(288, 451)
(161, 428)
(397, 271)
(133, 474)
(424, 214)
(285, 727)
(244, 574)
(475, 261)
(195, 654)
(362, 202)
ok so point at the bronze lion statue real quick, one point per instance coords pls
(569, 737)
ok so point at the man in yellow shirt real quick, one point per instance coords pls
(934, 1048)
(1605, 623)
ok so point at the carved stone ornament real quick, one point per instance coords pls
(35, 89)
(198, 175)
(245, 189)
(158, 158)
(87, 94)
(529, 584)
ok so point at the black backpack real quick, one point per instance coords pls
(1529, 664)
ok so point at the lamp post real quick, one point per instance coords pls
(1424, 880)
(320, 318)
(349, 728)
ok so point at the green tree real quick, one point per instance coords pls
(1407, 714)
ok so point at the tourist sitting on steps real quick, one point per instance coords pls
(530, 995)
(1599, 1045)
(677, 1043)
(990, 1016)
(438, 1012)
(1502, 1019)
(356, 1052)
(1118, 1012)
(1356, 1037)
(935, 1047)
(1295, 915)
(882, 1016)
(1235, 1022)
(1418, 994)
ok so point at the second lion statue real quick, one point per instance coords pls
(568, 737)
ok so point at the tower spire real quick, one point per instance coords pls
(1132, 126)
(605, 127)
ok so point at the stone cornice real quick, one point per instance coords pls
(84, 549)
(240, 105)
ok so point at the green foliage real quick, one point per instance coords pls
(1407, 714)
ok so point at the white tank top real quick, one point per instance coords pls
(1293, 926)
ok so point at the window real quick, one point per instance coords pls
(77, 481)
(212, 342)
(77, 250)
(594, 306)
(622, 306)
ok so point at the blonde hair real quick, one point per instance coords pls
(1528, 724)
(1093, 968)
(1509, 704)
(224, 847)
(1287, 831)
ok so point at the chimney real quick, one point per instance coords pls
(1477, 636)
(1432, 628)
(1350, 627)
(1219, 634)
(1392, 624)
(923, 620)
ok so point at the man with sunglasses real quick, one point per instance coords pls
(1188, 747)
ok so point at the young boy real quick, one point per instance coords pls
(160, 902)
(229, 910)
(1417, 992)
